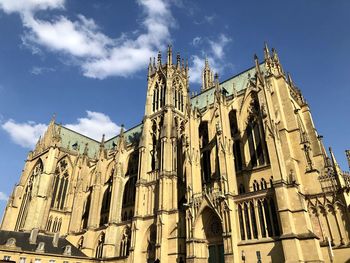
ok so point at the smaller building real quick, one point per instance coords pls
(36, 248)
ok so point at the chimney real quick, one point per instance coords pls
(55, 239)
(33, 236)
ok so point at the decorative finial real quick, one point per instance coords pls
(178, 60)
(170, 55)
(216, 77)
(159, 61)
(266, 51)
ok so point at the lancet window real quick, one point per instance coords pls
(178, 96)
(205, 152)
(256, 137)
(106, 203)
(54, 225)
(156, 149)
(125, 243)
(133, 163)
(236, 140)
(158, 95)
(60, 185)
(129, 199)
(30, 191)
(99, 246)
(48, 224)
(86, 211)
(258, 219)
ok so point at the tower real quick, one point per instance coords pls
(160, 185)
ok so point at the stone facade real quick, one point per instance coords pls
(236, 173)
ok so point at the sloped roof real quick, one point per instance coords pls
(22, 242)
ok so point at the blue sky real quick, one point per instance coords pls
(86, 61)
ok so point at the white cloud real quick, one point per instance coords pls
(24, 134)
(81, 38)
(132, 55)
(210, 19)
(218, 46)
(196, 41)
(3, 196)
(214, 51)
(41, 70)
(98, 55)
(25, 6)
(95, 125)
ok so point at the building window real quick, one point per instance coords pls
(236, 140)
(129, 199)
(262, 210)
(49, 223)
(104, 214)
(22, 260)
(86, 211)
(205, 152)
(7, 258)
(33, 183)
(158, 95)
(125, 243)
(60, 185)
(52, 261)
(99, 247)
(37, 260)
(256, 136)
(255, 186)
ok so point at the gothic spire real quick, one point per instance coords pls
(150, 68)
(159, 60)
(169, 55)
(178, 61)
(337, 170)
(207, 76)
(266, 52)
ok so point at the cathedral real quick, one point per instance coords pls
(234, 173)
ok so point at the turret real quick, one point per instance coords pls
(207, 76)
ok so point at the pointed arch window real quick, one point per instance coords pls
(86, 211)
(106, 201)
(255, 186)
(241, 222)
(205, 152)
(158, 95)
(178, 95)
(60, 185)
(99, 246)
(236, 140)
(31, 188)
(256, 136)
(128, 204)
(49, 223)
(125, 243)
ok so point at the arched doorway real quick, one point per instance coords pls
(209, 229)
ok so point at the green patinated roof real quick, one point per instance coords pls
(131, 135)
(239, 82)
(69, 138)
